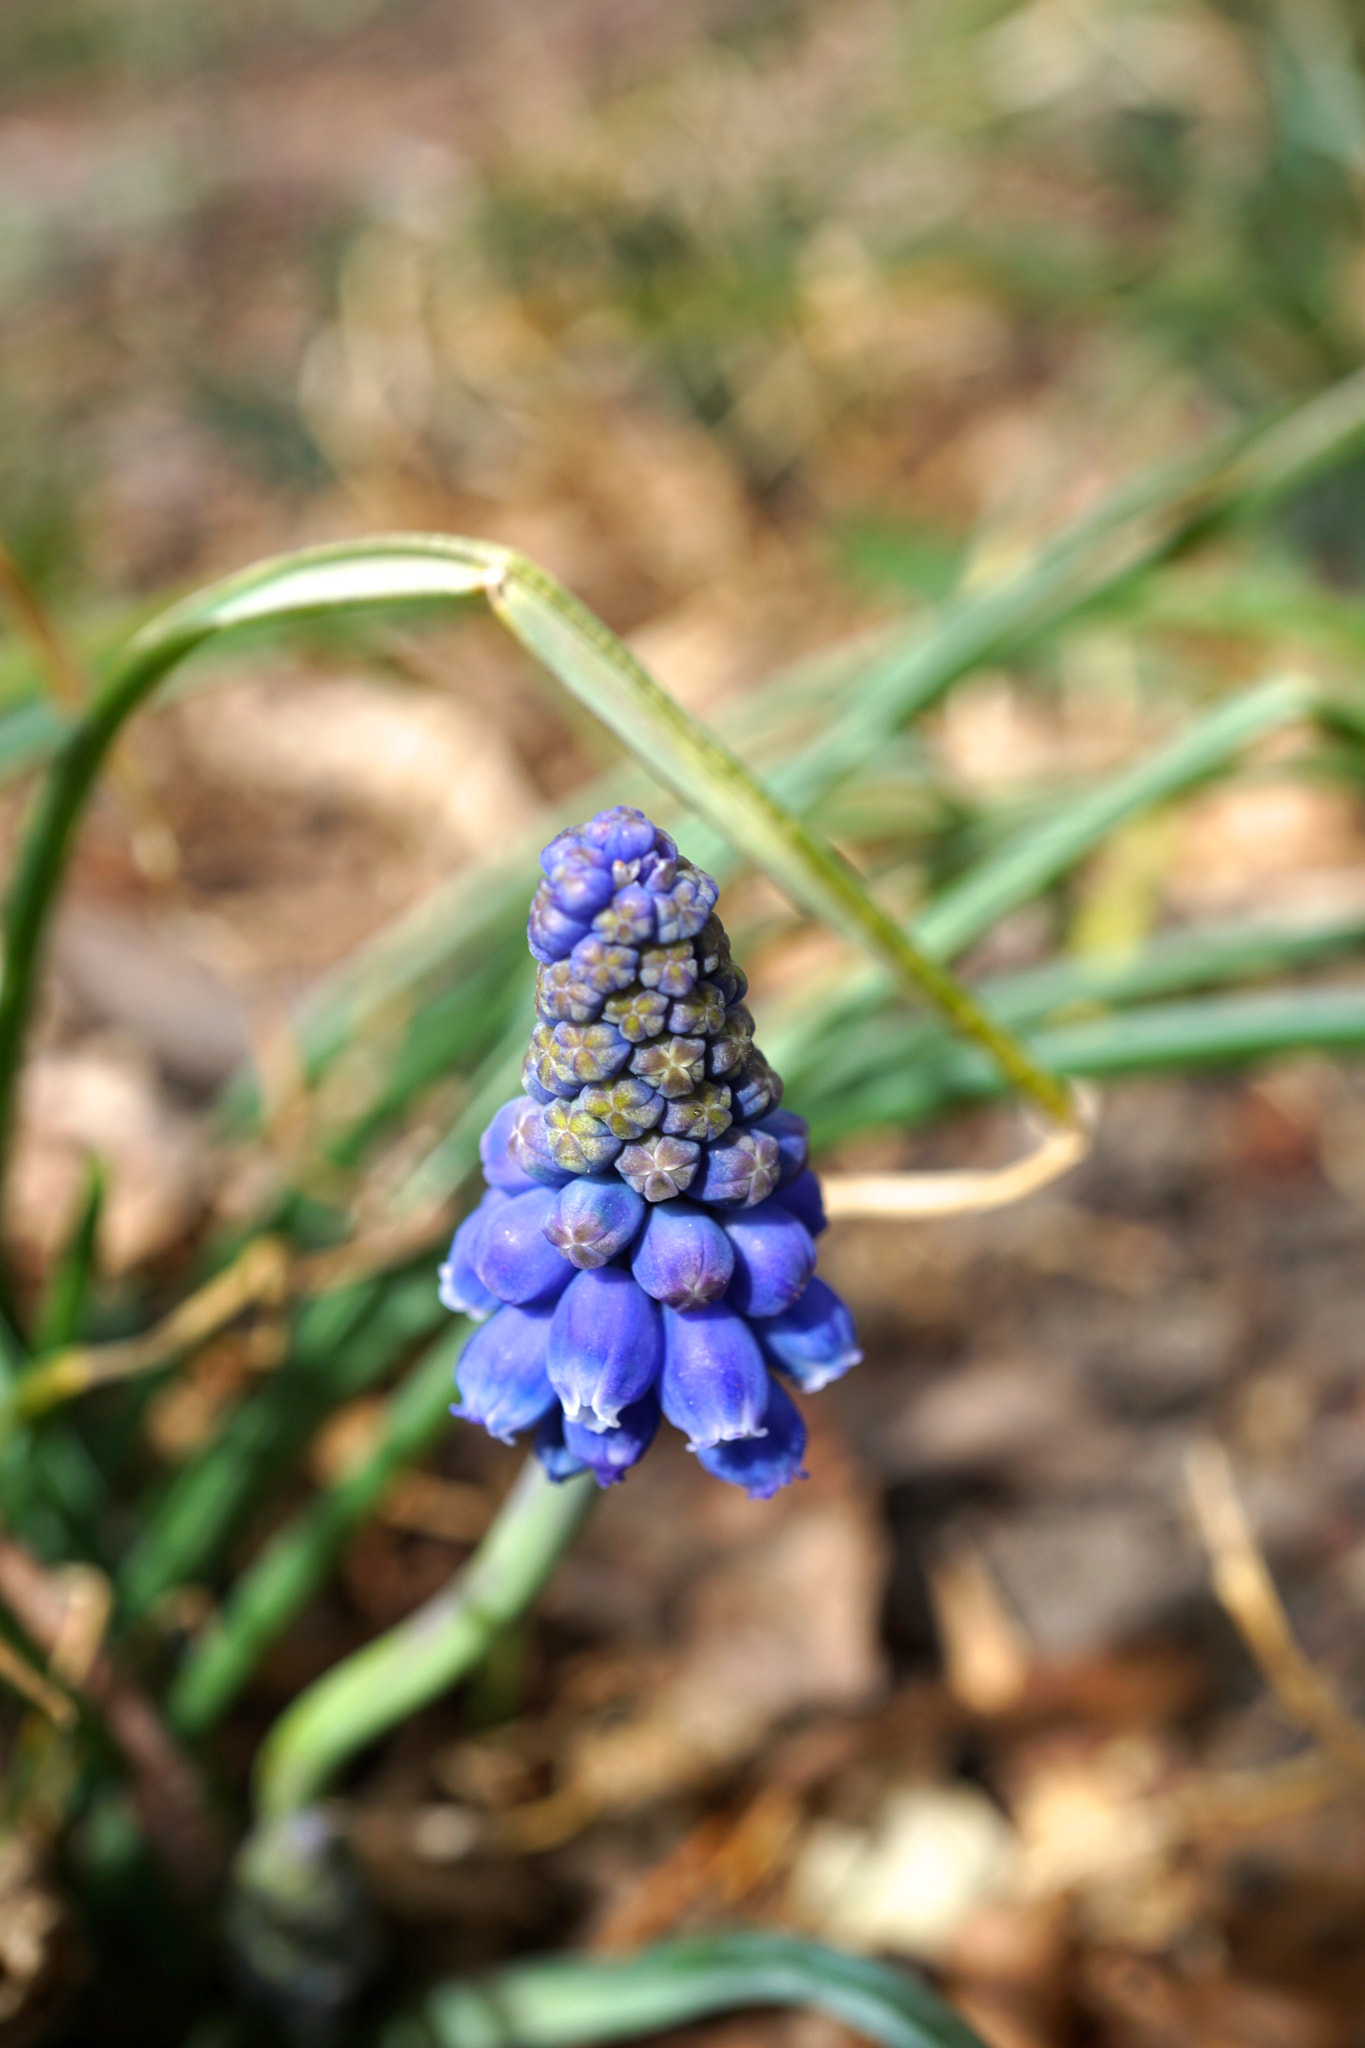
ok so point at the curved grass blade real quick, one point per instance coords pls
(1219, 1031)
(575, 2003)
(1035, 860)
(836, 1053)
(585, 657)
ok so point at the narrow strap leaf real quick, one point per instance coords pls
(563, 2003)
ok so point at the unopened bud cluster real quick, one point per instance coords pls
(646, 1243)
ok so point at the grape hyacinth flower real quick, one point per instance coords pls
(646, 1245)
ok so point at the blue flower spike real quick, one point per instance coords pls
(646, 1245)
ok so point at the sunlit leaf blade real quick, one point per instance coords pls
(1021, 870)
(585, 657)
(575, 2003)
(1219, 1031)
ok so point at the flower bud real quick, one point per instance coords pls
(510, 1253)
(813, 1341)
(605, 1346)
(627, 1106)
(802, 1196)
(672, 970)
(579, 876)
(732, 982)
(577, 1140)
(528, 1147)
(593, 1219)
(711, 945)
(562, 997)
(792, 1134)
(683, 1258)
(659, 1167)
(545, 1072)
(729, 1049)
(682, 910)
(714, 1384)
(699, 1014)
(756, 1089)
(609, 1453)
(774, 1258)
(702, 1115)
(672, 1065)
(501, 1377)
(551, 933)
(638, 1014)
(622, 833)
(458, 1284)
(500, 1170)
(763, 1464)
(739, 1168)
(603, 967)
(628, 919)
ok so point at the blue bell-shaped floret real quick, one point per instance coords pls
(610, 1453)
(762, 1464)
(774, 1258)
(683, 1257)
(714, 1384)
(606, 1346)
(512, 1255)
(501, 1376)
(594, 1218)
(459, 1286)
(813, 1341)
(803, 1198)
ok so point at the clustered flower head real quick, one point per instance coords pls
(646, 1244)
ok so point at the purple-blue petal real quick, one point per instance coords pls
(621, 833)
(551, 933)
(500, 1170)
(714, 1384)
(512, 1255)
(736, 1169)
(774, 1259)
(529, 1147)
(554, 1454)
(791, 1134)
(594, 1218)
(606, 1346)
(501, 1376)
(609, 1453)
(762, 1465)
(802, 1196)
(813, 1341)
(683, 1258)
(459, 1286)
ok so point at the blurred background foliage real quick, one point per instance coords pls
(780, 333)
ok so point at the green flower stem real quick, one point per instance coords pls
(270, 1592)
(413, 1664)
(572, 2003)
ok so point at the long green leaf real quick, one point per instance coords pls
(1216, 1032)
(574, 2003)
(1019, 871)
(584, 656)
